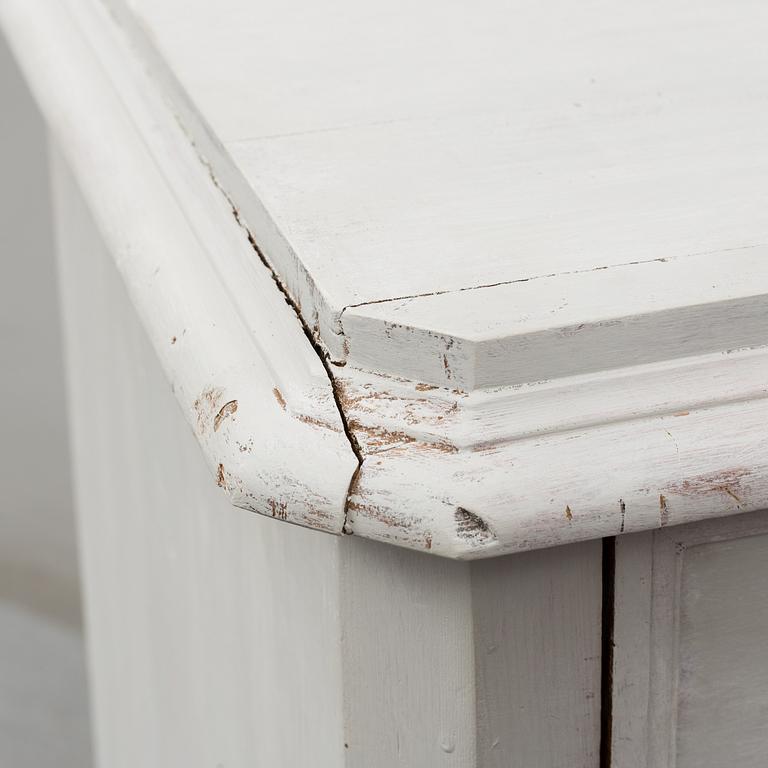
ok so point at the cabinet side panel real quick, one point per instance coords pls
(43, 703)
(538, 646)
(213, 632)
(408, 659)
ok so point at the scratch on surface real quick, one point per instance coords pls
(731, 493)
(315, 422)
(727, 481)
(672, 438)
(279, 397)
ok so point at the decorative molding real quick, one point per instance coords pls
(250, 384)
(639, 439)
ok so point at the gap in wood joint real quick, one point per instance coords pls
(606, 671)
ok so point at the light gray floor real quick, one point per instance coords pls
(43, 700)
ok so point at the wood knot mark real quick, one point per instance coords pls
(471, 527)
(228, 409)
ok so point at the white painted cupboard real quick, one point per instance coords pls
(474, 297)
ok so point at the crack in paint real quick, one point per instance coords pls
(313, 340)
(531, 278)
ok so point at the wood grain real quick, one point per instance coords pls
(376, 160)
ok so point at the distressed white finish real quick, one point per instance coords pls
(565, 325)
(462, 487)
(583, 258)
(206, 646)
(691, 633)
(624, 258)
(465, 320)
(219, 638)
(249, 383)
(473, 145)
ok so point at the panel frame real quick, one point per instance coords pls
(647, 631)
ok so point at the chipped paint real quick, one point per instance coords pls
(315, 422)
(279, 397)
(226, 410)
(727, 481)
(278, 509)
(205, 407)
(663, 511)
(471, 527)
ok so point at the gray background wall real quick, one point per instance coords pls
(43, 699)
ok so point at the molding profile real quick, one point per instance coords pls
(251, 386)
(651, 413)
(481, 474)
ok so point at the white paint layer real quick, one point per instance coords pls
(689, 668)
(479, 145)
(219, 638)
(577, 400)
(249, 383)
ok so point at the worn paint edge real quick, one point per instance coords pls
(465, 532)
(566, 487)
(333, 324)
(176, 244)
